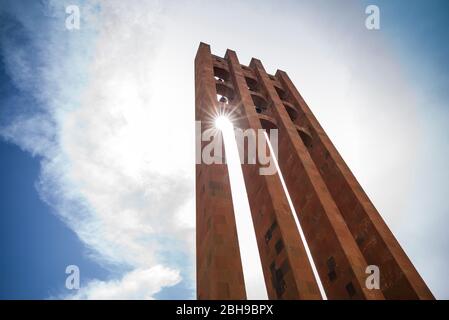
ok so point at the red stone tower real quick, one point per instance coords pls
(344, 231)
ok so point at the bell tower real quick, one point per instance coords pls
(344, 231)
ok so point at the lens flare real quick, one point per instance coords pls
(223, 123)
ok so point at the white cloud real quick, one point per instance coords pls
(106, 146)
(137, 284)
(114, 143)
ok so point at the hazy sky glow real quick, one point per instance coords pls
(107, 113)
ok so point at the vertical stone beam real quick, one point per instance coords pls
(287, 271)
(338, 259)
(399, 278)
(219, 268)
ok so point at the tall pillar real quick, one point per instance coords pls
(337, 257)
(398, 277)
(219, 267)
(287, 271)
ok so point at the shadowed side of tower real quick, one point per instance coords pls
(323, 190)
(398, 277)
(331, 243)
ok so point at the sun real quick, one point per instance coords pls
(223, 123)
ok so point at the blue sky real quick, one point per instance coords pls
(36, 246)
(91, 176)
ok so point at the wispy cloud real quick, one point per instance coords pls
(137, 284)
(97, 133)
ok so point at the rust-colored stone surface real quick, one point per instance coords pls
(339, 262)
(399, 278)
(287, 271)
(344, 231)
(219, 267)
